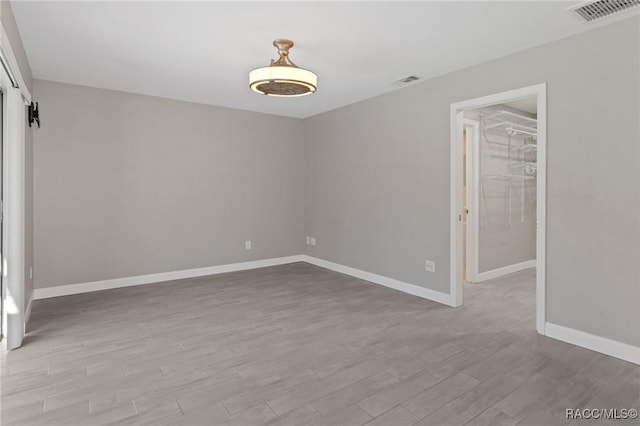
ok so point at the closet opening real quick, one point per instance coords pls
(498, 175)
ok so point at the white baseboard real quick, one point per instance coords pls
(510, 269)
(65, 290)
(412, 289)
(603, 345)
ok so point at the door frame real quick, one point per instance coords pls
(13, 167)
(16, 96)
(456, 202)
(472, 201)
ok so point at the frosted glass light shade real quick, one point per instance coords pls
(283, 81)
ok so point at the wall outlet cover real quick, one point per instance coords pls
(247, 245)
(430, 266)
(308, 240)
(313, 241)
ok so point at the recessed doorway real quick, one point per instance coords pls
(498, 175)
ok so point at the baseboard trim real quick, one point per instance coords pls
(510, 269)
(603, 345)
(412, 289)
(66, 290)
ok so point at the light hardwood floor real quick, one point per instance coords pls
(300, 345)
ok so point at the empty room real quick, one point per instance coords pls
(323, 213)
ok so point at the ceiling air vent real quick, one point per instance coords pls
(407, 80)
(593, 10)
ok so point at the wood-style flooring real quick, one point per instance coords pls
(300, 345)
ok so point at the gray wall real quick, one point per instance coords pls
(128, 185)
(9, 24)
(377, 177)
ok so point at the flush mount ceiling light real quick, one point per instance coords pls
(283, 77)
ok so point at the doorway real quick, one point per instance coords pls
(498, 189)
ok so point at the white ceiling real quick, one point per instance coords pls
(203, 51)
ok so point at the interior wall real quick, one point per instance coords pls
(377, 177)
(11, 28)
(129, 185)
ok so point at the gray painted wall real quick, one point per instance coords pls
(128, 185)
(377, 177)
(10, 26)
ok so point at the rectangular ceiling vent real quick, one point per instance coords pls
(593, 10)
(407, 80)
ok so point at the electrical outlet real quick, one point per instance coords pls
(308, 240)
(30, 272)
(247, 245)
(430, 266)
(313, 241)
